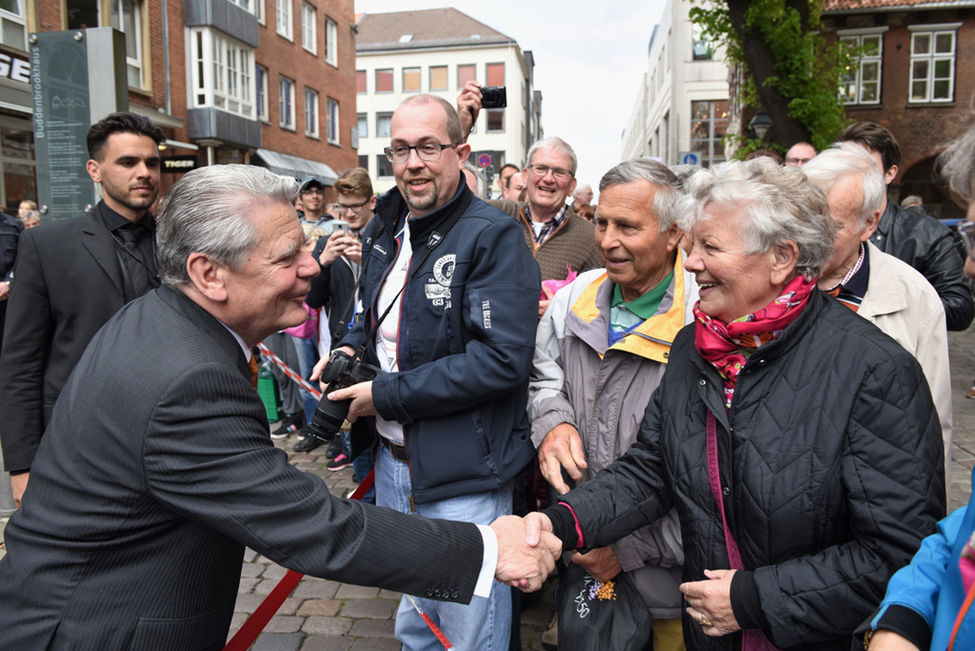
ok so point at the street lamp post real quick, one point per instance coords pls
(761, 124)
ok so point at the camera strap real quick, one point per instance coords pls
(436, 237)
(342, 327)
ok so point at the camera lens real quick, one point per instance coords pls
(329, 416)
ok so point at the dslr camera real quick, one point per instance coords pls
(341, 371)
(494, 97)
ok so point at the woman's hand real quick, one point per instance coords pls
(710, 602)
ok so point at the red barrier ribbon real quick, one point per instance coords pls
(302, 382)
(244, 638)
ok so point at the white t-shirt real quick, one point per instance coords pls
(389, 330)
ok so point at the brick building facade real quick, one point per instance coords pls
(210, 73)
(916, 77)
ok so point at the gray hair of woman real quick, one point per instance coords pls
(956, 166)
(211, 210)
(781, 204)
(839, 162)
(667, 185)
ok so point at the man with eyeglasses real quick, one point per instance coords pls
(799, 154)
(339, 257)
(560, 239)
(460, 292)
(312, 195)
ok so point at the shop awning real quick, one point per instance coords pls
(299, 168)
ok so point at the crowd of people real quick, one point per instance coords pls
(720, 395)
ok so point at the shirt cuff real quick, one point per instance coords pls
(746, 603)
(489, 565)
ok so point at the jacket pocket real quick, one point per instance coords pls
(184, 634)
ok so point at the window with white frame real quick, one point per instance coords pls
(260, 87)
(495, 120)
(331, 42)
(220, 71)
(363, 119)
(861, 78)
(126, 16)
(309, 18)
(701, 48)
(332, 120)
(933, 50)
(311, 113)
(250, 6)
(13, 24)
(383, 122)
(286, 102)
(285, 24)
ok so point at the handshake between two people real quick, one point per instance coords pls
(527, 550)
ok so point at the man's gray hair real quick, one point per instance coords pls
(211, 210)
(957, 166)
(557, 145)
(668, 187)
(841, 161)
(481, 192)
(780, 203)
(580, 190)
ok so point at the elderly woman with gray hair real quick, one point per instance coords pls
(798, 443)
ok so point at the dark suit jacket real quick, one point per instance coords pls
(67, 284)
(10, 230)
(156, 471)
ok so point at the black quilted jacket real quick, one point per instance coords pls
(831, 468)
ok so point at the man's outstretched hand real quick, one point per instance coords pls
(526, 553)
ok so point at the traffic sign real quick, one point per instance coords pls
(484, 160)
(689, 158)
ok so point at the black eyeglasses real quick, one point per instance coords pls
(560, 173)
(428, 151)
(356, 207)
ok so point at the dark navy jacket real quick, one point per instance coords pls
(465, 344)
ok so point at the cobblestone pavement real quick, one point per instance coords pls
(323, 615)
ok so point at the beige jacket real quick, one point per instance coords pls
(904, 305)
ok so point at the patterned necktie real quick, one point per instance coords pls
(135, 264)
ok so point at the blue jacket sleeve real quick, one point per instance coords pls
(918, 586)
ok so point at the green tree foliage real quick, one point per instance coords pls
(788, 68)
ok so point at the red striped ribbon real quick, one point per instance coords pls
(244, 638)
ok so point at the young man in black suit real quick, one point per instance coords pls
(71, 277)
(156, 468)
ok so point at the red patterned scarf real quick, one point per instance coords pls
(728, 346)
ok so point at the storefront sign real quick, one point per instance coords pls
(180, 164)
(14, 68)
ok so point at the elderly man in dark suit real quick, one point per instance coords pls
(71, 277)
(156, 468)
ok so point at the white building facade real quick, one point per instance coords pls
(682, 107)
(436, 51)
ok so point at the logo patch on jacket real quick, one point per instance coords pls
(437, 288)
